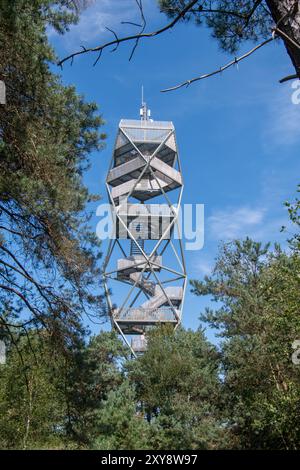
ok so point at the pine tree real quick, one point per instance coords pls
(177, 387)
(257, 291)
(49, 268)
(235, 22)
(52, 397)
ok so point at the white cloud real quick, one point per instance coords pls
(100, 15)
(204, 267)
(235, 223)
(282, 125)
(238, 223)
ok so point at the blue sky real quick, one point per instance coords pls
(238, 132)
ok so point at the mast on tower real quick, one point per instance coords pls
(145, 113)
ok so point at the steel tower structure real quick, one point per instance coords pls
(147, 240)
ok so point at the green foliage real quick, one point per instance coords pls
(49, 266)
(31, 401)
(177, 386)
(258, 299)
(119, 425)
(50, 399)
(232, 22)
(182, 393)
(61, 390)
(294, 214)
(93, 371)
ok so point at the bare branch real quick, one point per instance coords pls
(242, 16)
(98, 58)
(284, 35)
(23, 235)
(3, 322)
(143, 26)
(289, 77)
(16, 216)
(244, 56)
(23, 298)
(22, 272)
(131, 23)
(223, 12)
(253, 10)
(116, 39)
(132, 37)
(233, 62)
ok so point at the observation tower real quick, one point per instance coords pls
(144, 266)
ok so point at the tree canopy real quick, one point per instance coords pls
(258, 319)
(183, 392)
(49, 256)
(60, 387)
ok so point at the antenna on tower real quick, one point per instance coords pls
(145, 113)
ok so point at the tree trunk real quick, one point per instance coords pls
(29, 413)
(290, 26)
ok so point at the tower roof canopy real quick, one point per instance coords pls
(148, 124)
(153, 132)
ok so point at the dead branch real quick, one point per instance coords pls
(233, 62)
(288, 78)
(133, 37)
(283, 35)
(32, 309)
(143, 26)
(236, 60)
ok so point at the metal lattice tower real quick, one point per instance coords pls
(147, 241)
